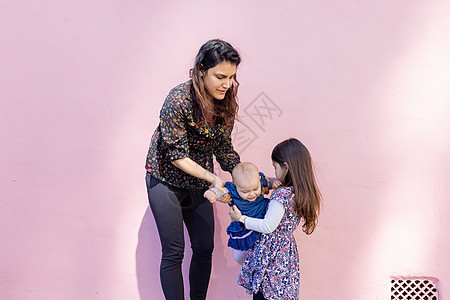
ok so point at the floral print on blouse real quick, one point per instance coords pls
(272, 265)
(178, 136)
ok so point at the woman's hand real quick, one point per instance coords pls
(192, 168)
(235, 213)
(218, 183)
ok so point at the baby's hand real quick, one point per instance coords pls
(274, 183)
(226, 199)
(210, 195)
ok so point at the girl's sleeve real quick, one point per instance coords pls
(173, 128)
(225, 154)
(272, 219)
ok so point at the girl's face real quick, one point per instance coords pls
(280, 170)
(219, 79)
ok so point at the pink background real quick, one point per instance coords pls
(364, 84)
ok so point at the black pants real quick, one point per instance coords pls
(171, 206)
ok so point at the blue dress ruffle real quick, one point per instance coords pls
(240, 237)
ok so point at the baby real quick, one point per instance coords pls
(246, 193)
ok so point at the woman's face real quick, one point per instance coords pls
(219, 79)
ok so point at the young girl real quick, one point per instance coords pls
(271, 269)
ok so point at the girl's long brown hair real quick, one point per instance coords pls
(224, 111)
(300, 175)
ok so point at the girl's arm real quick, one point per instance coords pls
(272, 219)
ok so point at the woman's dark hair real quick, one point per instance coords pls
(300, 175)
(210, 54)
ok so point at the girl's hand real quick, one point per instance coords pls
(210, 195)
(235, 213)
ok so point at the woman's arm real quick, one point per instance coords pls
(272, 219)
(174, 137)
(192, 168)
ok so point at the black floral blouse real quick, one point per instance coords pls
(178, 136)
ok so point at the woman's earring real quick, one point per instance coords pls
(202, 73)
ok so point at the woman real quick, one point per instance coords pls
(196, 121)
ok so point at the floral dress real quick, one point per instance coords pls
(272, 265)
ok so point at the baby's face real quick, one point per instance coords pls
(249, 188)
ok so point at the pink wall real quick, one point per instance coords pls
(364, 84)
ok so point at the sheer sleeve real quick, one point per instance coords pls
(173, 127)
(225, 154)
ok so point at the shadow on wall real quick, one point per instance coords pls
(148, 257)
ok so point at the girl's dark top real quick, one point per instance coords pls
(178, 136)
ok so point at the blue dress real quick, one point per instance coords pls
(240, 237)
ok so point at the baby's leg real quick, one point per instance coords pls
(239, 256)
